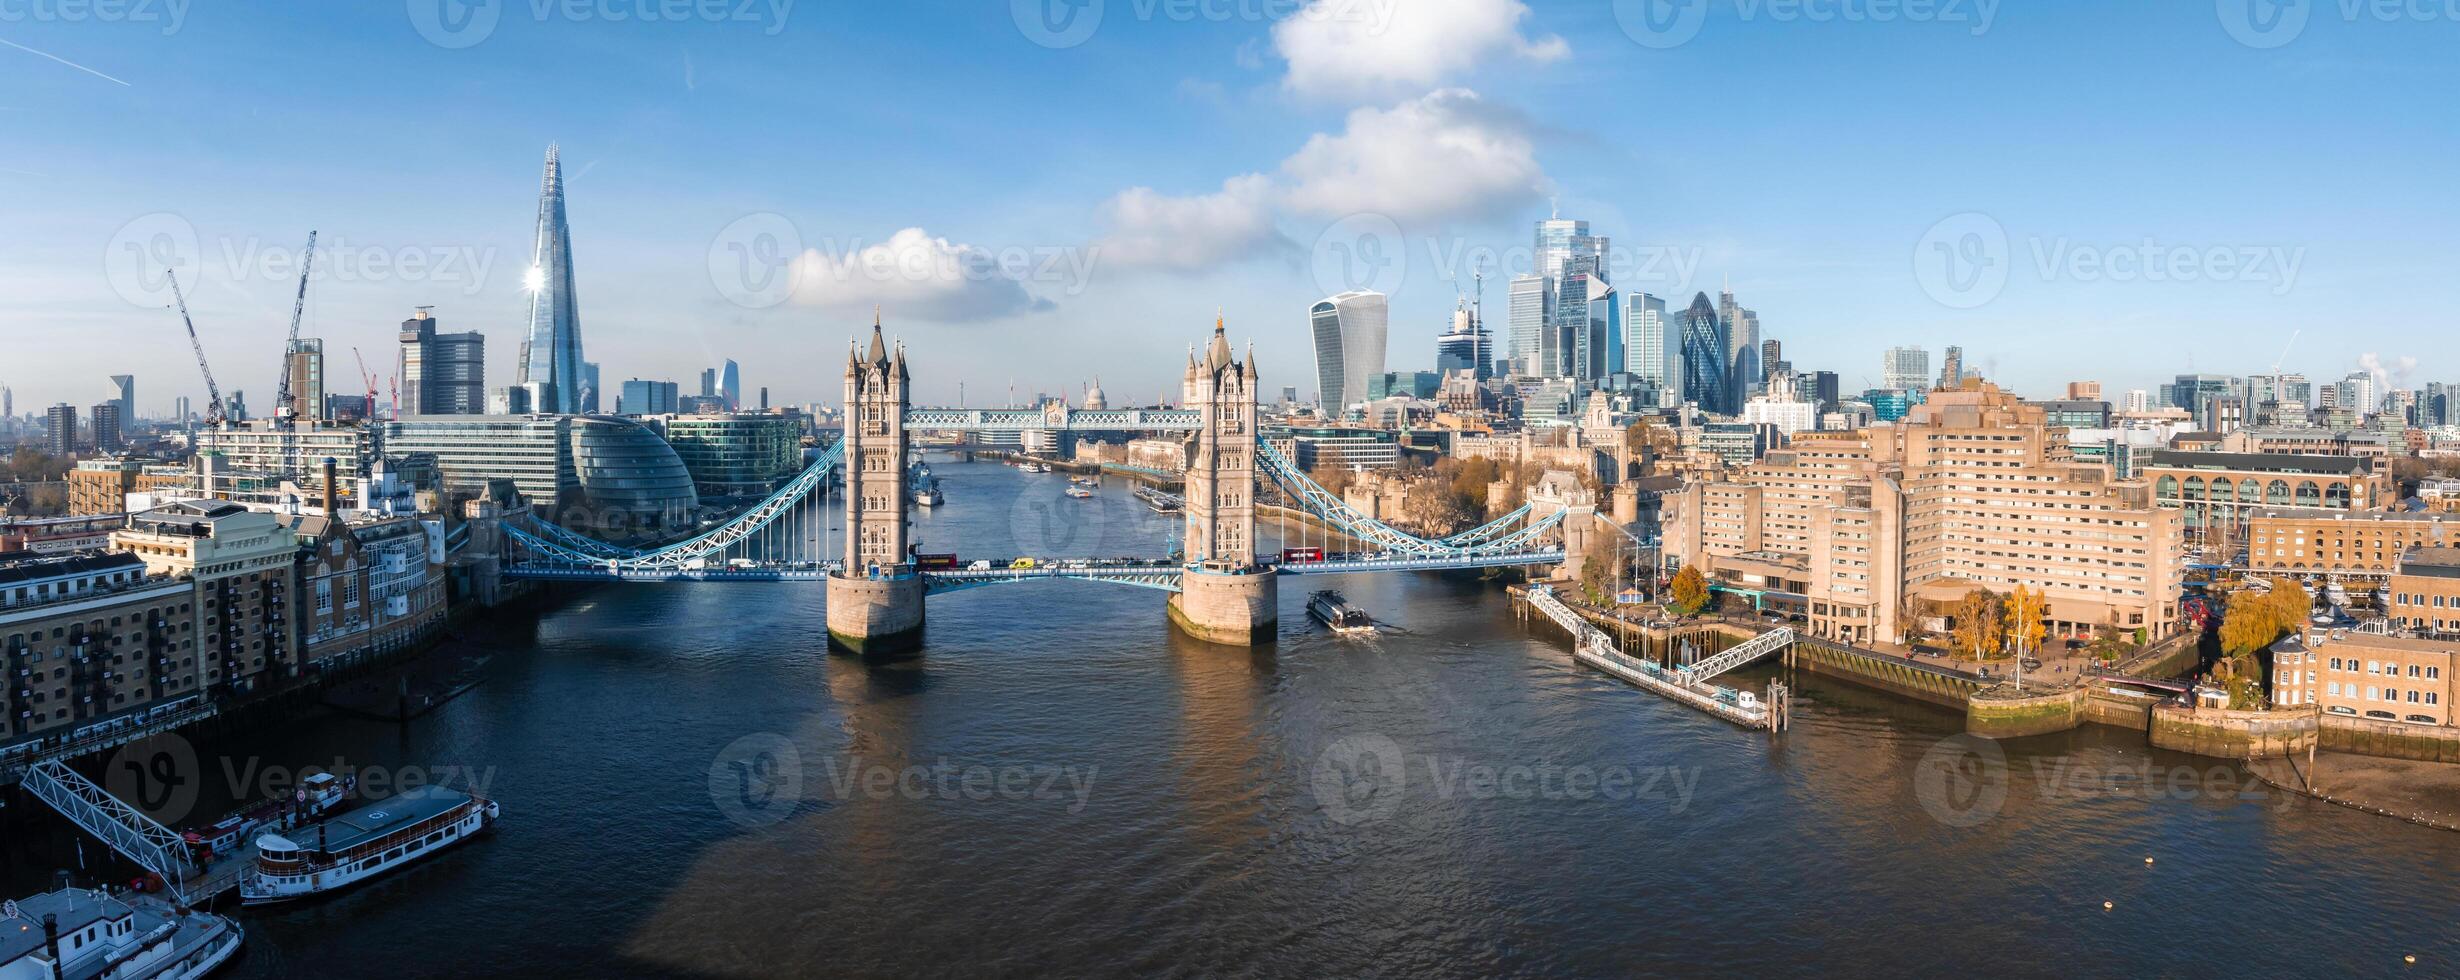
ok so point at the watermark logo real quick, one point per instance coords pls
(1364, 251)
(752, 261)
(169, 14)
(1661, 24)
(757, 780)
(1962, 780)
(2263, 24)
(157, 775)
(1962, 260)
(141, 253)
(457, 24)
(1044, 521)
(1359, 778)
(1057, 24)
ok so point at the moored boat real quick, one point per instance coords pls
(314, 797)
(84, 934)
(363, 843)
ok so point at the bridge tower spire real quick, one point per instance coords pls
(876, 601)
(1225, 596)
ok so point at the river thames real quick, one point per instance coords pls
(693, 785)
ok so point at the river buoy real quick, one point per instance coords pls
(2105, 906)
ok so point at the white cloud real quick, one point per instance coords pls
(1378, 47)
(920, 276)
(1151, 229)
(1447, 155)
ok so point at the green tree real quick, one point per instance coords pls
(1690, 590)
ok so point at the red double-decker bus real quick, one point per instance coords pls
(1294, 556)
(935, 562)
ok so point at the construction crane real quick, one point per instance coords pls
(282, 398)
(285, 409)
(370, 378)
(213, 392)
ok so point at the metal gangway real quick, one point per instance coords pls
(1593, 647)
(138, 837)
(1757, 647)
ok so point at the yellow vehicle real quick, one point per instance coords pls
(1022, 563)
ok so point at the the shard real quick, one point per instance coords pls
(551, 357)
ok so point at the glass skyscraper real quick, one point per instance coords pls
(1560, 240)
(1651, 348)
(1704, 364)
(1349, 345)
(1531, 315)
(551, 357)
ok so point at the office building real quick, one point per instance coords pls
(1464, 347)
(709, 382)
(442, 373)
(2341, 545)
(2190, 390)
(1705, 373)
(1345, 448)
(1744, 372)
(1782, 407)
(533, 452)
(1349, 346)
(1905, 369)
(1531, 316)
(1952, 368)
(736, 454)
(1652, 342)
(1598, 351)
(263, 451)
(2425, 588)
(512, 400)
(730, 385)
(304, 359)
(551, 357)
(1561, 240)
(2075, 414)
(2084, 391)
(1772, 355)
(2219, 491)
(1820, 387)
(589, 387)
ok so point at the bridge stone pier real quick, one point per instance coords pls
(875, 603)
(1224, 597)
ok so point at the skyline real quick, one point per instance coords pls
(1271, 144)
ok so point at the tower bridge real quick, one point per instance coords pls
(1221, 590)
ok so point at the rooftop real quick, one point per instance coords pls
(27, 566)
(2431, 562)
(2257, 462)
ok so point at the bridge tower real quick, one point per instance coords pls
(1225, 596)
(876, 602)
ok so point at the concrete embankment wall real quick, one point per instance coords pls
(1891, 674)
(2233, 734)
(2390, 739)
(2013, 717)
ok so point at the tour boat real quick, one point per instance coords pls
(315, 796)
(363, 843)
(84, 934)
(1336, 612)
(926, 487)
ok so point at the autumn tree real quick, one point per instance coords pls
(2024, 627)
(1979, 624)
(1690, 590)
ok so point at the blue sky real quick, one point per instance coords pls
(1184, 157)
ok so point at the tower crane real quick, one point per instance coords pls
(213, 392)
(285, 409)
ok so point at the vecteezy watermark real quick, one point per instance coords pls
(1044, 521)
(1364, 778)
(162, 777)
(1672, 23)
(1368, 251)
(164, 15)
(1964, 261)
(2264, 24)
(140, 256)
(462, 23)
(1061, 24)
(761, 779)
(1963, 781)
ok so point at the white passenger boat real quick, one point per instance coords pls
(83, 934)
(363, 843)
(1335, 611)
